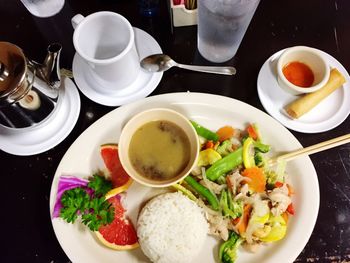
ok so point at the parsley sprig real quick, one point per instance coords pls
(94, 210)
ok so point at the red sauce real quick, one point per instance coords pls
(299, 74)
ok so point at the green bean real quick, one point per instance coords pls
(203, 191)
(185, 191)
(224, 165)
(261, 147)
(204, 132)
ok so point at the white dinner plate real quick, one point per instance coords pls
(143, 85)
(212, 111)
(327, 115)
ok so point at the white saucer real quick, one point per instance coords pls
(328, 114)
(144, 84)
(50, 132)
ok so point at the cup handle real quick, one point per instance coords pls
(76, 20)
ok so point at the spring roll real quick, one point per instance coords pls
(307, 102)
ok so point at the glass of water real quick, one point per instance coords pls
(221, 27)
(43, 8)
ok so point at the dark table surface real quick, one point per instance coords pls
(27, 234)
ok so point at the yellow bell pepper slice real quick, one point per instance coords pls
(278, 229)
(248, 153)
(208, 157)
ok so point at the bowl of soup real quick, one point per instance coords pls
(158, 147)
(302, 69)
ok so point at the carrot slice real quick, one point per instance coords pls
(242, 227)
(235, 221)
(225, 133)
(290, 209)
(251, 132)
(285, 217)
(209, 145)
(278, 184)
(257, 178)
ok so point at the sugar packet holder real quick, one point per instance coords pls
(181, 16)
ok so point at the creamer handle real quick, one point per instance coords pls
(76, 20)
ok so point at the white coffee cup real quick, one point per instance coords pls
(106, 41)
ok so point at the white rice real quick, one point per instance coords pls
(171, 228)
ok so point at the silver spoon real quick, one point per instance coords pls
(161, 62)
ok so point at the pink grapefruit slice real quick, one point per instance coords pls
(109, 154)
(120, 234)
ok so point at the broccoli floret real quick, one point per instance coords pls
(228, 206)
(228, 250)
(229, 256)
(235, 206)
(224, 205)
(259, 159)
(225, 148)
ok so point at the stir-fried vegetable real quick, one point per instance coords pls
(260, 147)
(203, 191)
(248, 153)
(225, 148)
(229, 207)
(225, 133)
(235, 206)
(253, 131)
(224, 165)
(243, 222)
(228, 250)
(259, 159)
(204, 132)
(185, 191)
(252, 152)
(208, 156)
(278, 229)
(257, 179)
(277, 175)
(248, 202)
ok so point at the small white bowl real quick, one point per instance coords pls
(309, 56)
(154, 115)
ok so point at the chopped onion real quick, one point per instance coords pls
(214, 188)
(206, 209)
(252, 226)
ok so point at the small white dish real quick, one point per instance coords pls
(144, 84)
(157, 114)
(49, 133)
(327, 115)
(310, 57)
